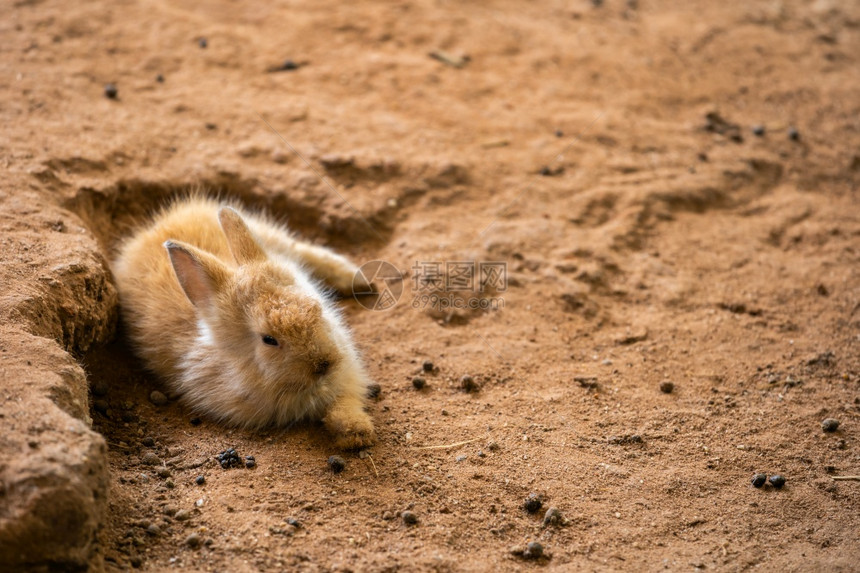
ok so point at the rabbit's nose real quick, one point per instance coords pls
(321, 367)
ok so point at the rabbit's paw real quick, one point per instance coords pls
(353, 430)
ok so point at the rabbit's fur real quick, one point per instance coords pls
(201, 288)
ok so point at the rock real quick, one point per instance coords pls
(777, 481)
(100, 388)
(153, 530)
(374, 390)
(193, 541)
(409, 517)
(468, 384)
(150, 459)
(418, 383)
(829, 425)
(336, 463)
(157, 398)
(200, 480)
(533, 550)
(163, 472)
(667, 387)
(182, 515)
(533, 503)
(427, 366)
(110, 91)
(552, 517)
(148, 442)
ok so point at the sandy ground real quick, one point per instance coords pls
(606, 154)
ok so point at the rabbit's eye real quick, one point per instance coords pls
(270, 340)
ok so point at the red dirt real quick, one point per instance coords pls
(658, 245)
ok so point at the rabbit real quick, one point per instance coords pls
(225, 306)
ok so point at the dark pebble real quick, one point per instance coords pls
(150, 459)
(667, 387)
(533, 503)
(101, 406)
(163, 472)
(830, 425)
(409, 517)
(777, 481)
(552, 517)
(202, 43)
(193, 541)
(759, 479)
(373, 391)
(159, 78)
(200, 480)
(135, 561)
(100, 388)
(534, 550)
(419, 382)
(793, 134)
(294, 522)
(468, 384)
(559, 133)
(128, 417)
(157, 398)
(289, 66)
(758, 130)
(153, 530)
(148, 442)
(110, 91)
(195, 421)
(427, 366)
(336, 463)
(250, 464)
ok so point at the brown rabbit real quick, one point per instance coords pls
(221, 304)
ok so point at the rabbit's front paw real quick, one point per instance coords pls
(352, 430)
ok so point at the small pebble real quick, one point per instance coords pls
(202, 43)
(419, 382)
(427, 366)
(159, 78)
(830, 425)
(533, 503)
(793, 134)
(150, 459)
(409, 517)
(135, 561)
(200, 480)
(667, 387)
(193, 541)
(250, 463)
(100, 388)
(111, 91)
(559, 133)
(759, 479)
(294, 522)
(153, 530)
(148, 441)
(195, 421)
(169, 483)
(373, 391)
(461, 458)
(387, 515)
(101, 406)
(336, 463)
(481, 454)
(552, 517)
(289, 65)
(534, 550)
(182, 515)
(468, 384)
(157, 398)
(163, 472)
(493, 446)
(777, 481)
(758, 130)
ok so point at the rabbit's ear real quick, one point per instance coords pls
(242, 244)
(200, 274)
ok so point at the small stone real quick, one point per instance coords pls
(533, 503)
(195, 421)
(159, 78)
(777, 481)
(461, 458)
(468, 384)
(409, 517)
(667, 387)
(193, 541)
(533, 550)
(387, 515)
(101, 406)
(100, 388)
(182, 515)
(830, 425)
(200, 480)
(202, 43)
(169, 483)
(552, 517)
(758, 130)
(559, 133)
(481, 454)
(289, 66)
(157, 398)
(150, 459)
(336, 463)
(418, 383)
(148, 441)
(163, 472)
(294, 522)
(427, 366)
(135, 561)
(493, 446)
(793, 134)
(153, 530)
(373, 391)
(759, 479)
(110, 91)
